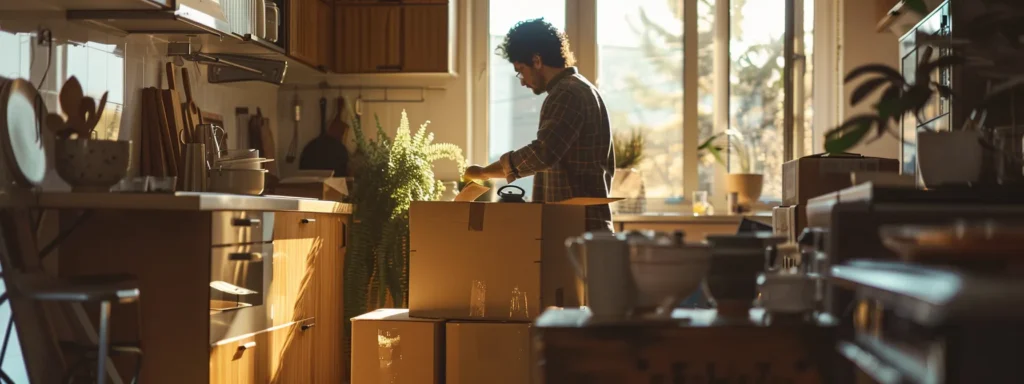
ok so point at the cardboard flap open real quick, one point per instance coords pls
(588, 201)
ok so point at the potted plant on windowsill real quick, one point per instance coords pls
(628, 182)
(747, 184)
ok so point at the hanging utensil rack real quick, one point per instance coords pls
(386, 99)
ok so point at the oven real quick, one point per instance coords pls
(240, 278)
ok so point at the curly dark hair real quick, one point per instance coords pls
(536, 37)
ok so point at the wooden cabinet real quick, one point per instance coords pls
(310, 249)
(290, 357)
(309, 32)
(384, 37)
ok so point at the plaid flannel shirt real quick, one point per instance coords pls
(573, 154)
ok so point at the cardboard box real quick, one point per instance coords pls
(329, 189)
(493, 261)
(487, 352)
(789, 221)
(816, 175)
(389, 347)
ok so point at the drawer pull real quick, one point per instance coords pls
(305, 327)
(246, 346)
(246, 222)
(246, 256)
(308, 221)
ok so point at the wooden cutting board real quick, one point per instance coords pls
(173, 114)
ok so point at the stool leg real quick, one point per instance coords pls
(103, 343)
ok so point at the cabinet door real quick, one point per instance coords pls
(235, 362)
(425, 38)
(294, 288)
(367, 38)
(329, 344)
(325, 34)
(288, 357)
(303, 42)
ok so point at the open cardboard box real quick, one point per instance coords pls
(493, 261)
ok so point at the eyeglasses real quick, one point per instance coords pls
(519, 75)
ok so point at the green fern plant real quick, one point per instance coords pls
(394, 174)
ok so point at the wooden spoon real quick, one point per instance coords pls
(57, 125)
(71, 100)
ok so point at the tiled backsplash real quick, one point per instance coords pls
(122, 66)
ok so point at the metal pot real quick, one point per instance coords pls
(666, 269)
(736, 262)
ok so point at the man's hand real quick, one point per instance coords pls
(475, 172)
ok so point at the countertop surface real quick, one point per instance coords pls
(675, 217)
(189, 201)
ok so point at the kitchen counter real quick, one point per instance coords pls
(187, 201)
(681, 218)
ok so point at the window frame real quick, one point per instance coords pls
(581, 28)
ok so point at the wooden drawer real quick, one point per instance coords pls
(236, 362)
(297, 225)
(290, 357)
(241, 227)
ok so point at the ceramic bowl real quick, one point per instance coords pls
(92, 165)
(238, 181)
(662, 273)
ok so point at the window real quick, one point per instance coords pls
(638, 49)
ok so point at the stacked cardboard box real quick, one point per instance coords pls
(812, 176)
(479, 273)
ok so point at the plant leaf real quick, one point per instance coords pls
(849, 134)
(925, 69)
(884, 70)
(866, 88)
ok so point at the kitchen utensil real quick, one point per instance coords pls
(21, 120)
(243, 163)
(338, 126)
(174, 118)
(155, 132)
(293, 147)
(601, 261)
(666, 269)
(238, 181)
(92, 165)
(192, 115)
(324, 152)
(236, 154)
(511, 196)
(91, 114)
(57, 125)
(211, 136)
(70, 101)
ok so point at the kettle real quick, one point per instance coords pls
(511, 197)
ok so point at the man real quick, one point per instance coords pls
(573, 154)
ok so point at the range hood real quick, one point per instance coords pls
(188, 17)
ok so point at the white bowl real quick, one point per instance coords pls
(661, 273)
(92, 165)
(238, 181)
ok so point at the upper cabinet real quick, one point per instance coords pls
(310, 30)
(410, 36)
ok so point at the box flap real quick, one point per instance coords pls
(588, 201)
(390, 314)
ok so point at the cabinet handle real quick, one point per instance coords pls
(249, 345)
(308, 221)
(344, 235)
(305, 327)
(246, 256)
(395, 68)
(245, 222)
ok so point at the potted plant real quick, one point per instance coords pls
(628, 182)
(991, 50)
(394, 173)
(747, 184)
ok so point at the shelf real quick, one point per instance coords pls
(151, 21)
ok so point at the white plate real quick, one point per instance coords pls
(21, 131)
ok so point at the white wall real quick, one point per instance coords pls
(860, 44)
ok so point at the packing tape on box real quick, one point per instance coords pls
(476, 217)
(389, 355)
(518, 307)
(477, 298)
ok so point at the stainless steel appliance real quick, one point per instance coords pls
(240, 279)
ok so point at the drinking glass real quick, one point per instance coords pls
(701, 206)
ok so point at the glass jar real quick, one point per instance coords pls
(273, 21)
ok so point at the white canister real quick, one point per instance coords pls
(273, 21)
(260, 18)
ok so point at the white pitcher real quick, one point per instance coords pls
(601, 261)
